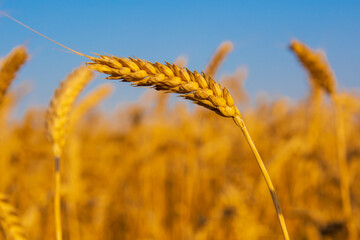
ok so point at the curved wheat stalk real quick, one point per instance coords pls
(199, 88)
(9, 220)
(9, 67)
(57, 118)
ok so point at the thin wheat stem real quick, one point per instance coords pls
(343, 167)
(57, 197)
(57, 202)
(239, 122)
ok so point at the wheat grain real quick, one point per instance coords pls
(162, 98)
(235, 82)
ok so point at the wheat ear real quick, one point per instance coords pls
(199, 88)
(317, 67)
(57, 118)
(9, 67)
(321, 74)
(218, 58)
(9, 220)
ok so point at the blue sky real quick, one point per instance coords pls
(163, 30)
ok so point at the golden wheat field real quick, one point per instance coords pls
(189, 170)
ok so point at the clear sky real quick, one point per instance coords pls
(163, 30)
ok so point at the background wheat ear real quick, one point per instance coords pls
(58, 113)
(9, 220)
(218, 58)
(316, 65)
(57, 118)
(199, 88)
(323, 77)
(9, 66)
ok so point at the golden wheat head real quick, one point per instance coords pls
(199, 88)
(9, 220)
(223, 50)
(60, 106)
(9, 67)
(317, 66)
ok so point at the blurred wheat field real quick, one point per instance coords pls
(153, 170)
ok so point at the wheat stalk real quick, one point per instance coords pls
(9, 67)
(9, 220)
(322, 76)
(199, 88)
(57, 118)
